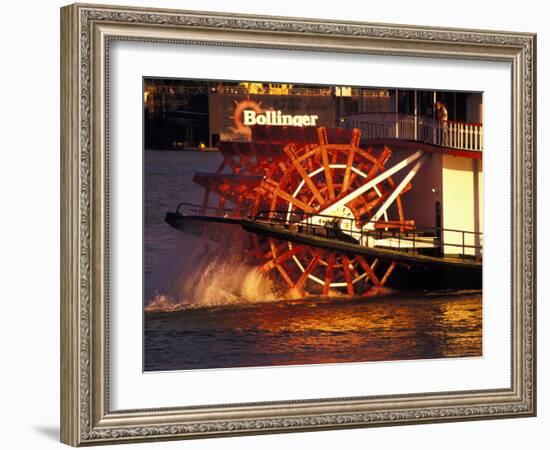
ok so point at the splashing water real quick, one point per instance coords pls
(219, 282)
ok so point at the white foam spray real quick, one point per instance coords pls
(217, 281)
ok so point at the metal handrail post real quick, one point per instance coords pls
(399, 240)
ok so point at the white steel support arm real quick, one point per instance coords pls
(370, 225)
(368, 185)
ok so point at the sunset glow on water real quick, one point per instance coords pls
(315, 331)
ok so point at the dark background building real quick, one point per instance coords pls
(184, 114)
(181, 114)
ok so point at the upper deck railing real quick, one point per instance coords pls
(410, 127)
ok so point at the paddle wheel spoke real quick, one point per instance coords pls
(328, 274)
(280, 259)
(388, 272)
(369, 271)
(312, 264)
(347, 274)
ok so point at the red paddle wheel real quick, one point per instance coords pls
(290, 172)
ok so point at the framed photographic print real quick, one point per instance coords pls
(276, 224)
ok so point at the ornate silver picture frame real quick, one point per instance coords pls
(87, 33)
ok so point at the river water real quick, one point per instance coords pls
(203, 310)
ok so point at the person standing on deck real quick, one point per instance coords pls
(442, 119)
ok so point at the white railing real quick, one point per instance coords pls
(456, 135)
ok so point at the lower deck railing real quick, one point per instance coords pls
(400, 236)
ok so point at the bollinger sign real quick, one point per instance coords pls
(277, 118)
